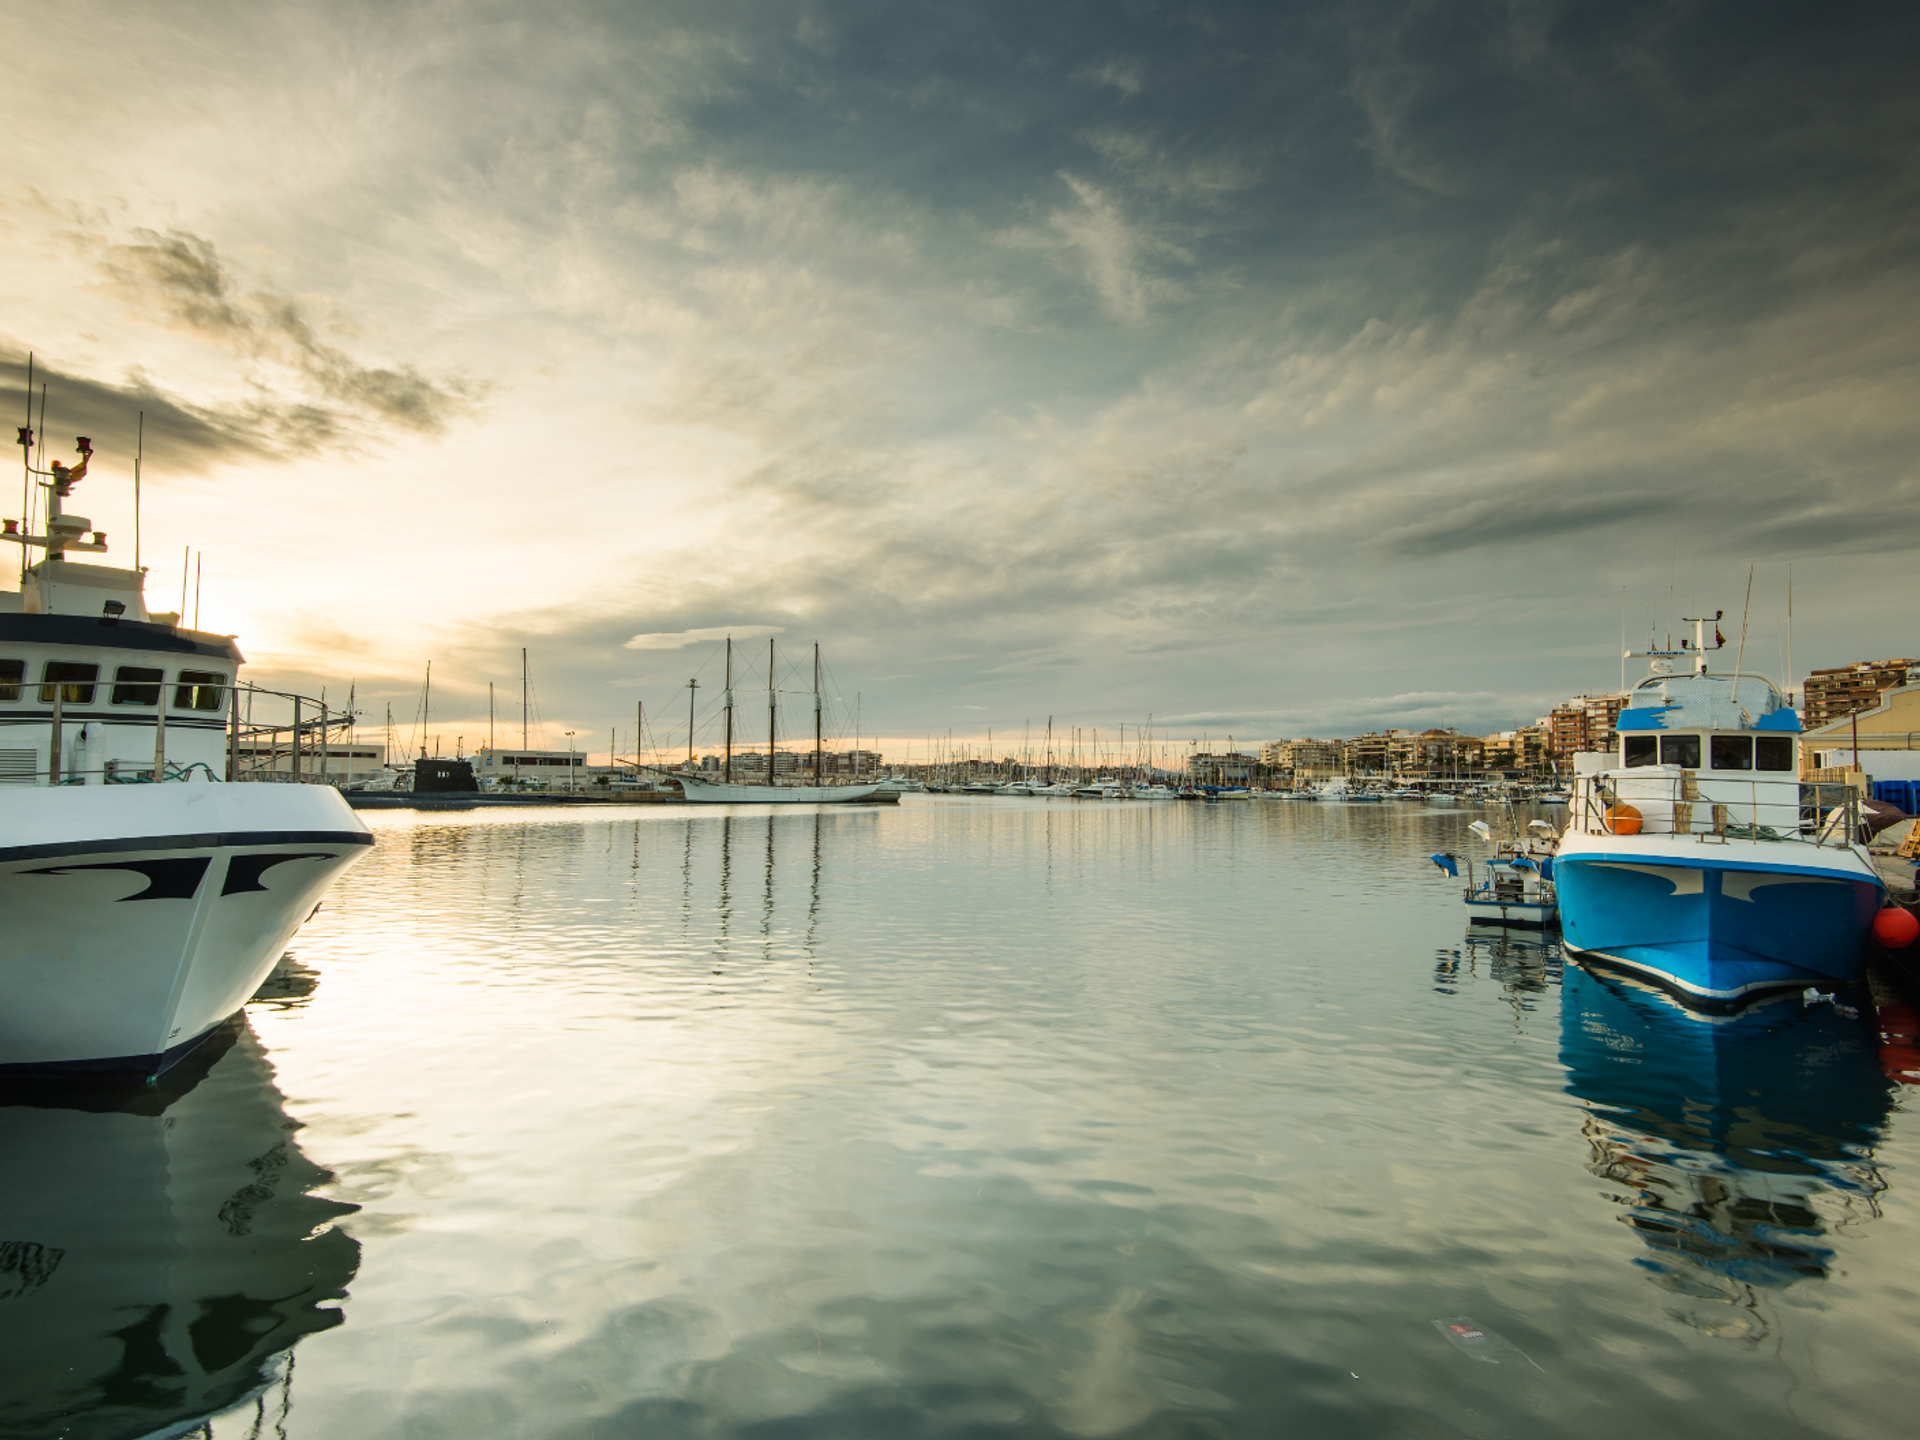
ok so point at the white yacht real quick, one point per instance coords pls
(146, 898)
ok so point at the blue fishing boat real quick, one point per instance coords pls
(1697, 860)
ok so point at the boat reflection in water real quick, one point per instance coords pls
(1742, 1144)
(159, 1248)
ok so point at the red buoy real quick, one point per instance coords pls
(1896, 928)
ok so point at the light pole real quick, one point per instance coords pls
(570, 781)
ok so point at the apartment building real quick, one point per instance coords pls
(1839, 692)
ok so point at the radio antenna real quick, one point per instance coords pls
(1741, 653)
(26, 472)
(139, 453)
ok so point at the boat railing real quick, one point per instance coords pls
(1716, 809)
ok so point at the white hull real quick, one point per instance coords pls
(715, 792)
(141, 916)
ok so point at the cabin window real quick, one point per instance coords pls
(1772, 752)
(135, 685)
(74, 681)
(200, 690)
(12, 672)
(1642, 750)
(1732, 752)
(1681, 750)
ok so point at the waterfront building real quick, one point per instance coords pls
(1585, 724)
(1303, 757)
(345, 761)
(1881, 743)
(1229, 768)
(535, 769)
(1834, 694)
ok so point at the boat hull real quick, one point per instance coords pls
(1536, 915)
(714, 792)
(139, 917)
(1717, 931)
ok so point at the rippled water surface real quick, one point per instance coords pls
(990, 1117)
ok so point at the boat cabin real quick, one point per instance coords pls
(126, 690)
(1700, 754)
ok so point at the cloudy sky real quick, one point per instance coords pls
(1266, 369)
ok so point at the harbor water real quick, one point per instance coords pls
(971, 1117)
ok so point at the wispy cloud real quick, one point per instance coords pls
(180, 278)
(680, 639)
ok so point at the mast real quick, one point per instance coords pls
(426, 709)
(489, 717)
(816, 714)
(523, 702)
(726, 772)
(639, 733)
(773, 740)
(693, 687)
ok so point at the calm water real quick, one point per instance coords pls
(970, 1118)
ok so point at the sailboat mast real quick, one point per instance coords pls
(772, 738)
(816, 714)
(426, 709)
(523, 699)
(693, 688)
(489, 717)
(726, 772)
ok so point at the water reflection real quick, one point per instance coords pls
(159, 1249)
(1742, 1145)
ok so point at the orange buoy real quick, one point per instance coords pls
(1622, 820)
(1896, 928)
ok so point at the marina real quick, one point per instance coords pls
(960, 722)
(728, 1120)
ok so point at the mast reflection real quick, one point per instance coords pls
(159, 1248)
(1741, 1144)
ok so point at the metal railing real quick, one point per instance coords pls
(1716, 809)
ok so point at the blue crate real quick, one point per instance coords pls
(1904, 793)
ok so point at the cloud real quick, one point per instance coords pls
(1095, 240)
(178, 435)
(180, 278)
(680, 639)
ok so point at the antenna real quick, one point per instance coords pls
(1741, 653)
(1789, 630)
(139, 454)
(26, 472)
(186, 564)
(196, 589)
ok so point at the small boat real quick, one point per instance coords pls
(1153, 792)
(1515, 886)
(1105, 789)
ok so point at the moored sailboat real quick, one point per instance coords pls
(700, 789)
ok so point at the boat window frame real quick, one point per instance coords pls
(1648, 745)
(1679, 745)
(1737, 746)
(69, 685)
(203, 691)
(1778, 745)
(11, 684)
(135, 677)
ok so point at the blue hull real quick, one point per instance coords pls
(1715, 936)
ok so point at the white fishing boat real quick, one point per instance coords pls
(1103, 789)
(1514, 885)
(703, 789)
(146, 897)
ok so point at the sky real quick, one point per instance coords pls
(1263, 370)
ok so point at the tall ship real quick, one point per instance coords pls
(146, 897)
(1697, 861)
(704, 789)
